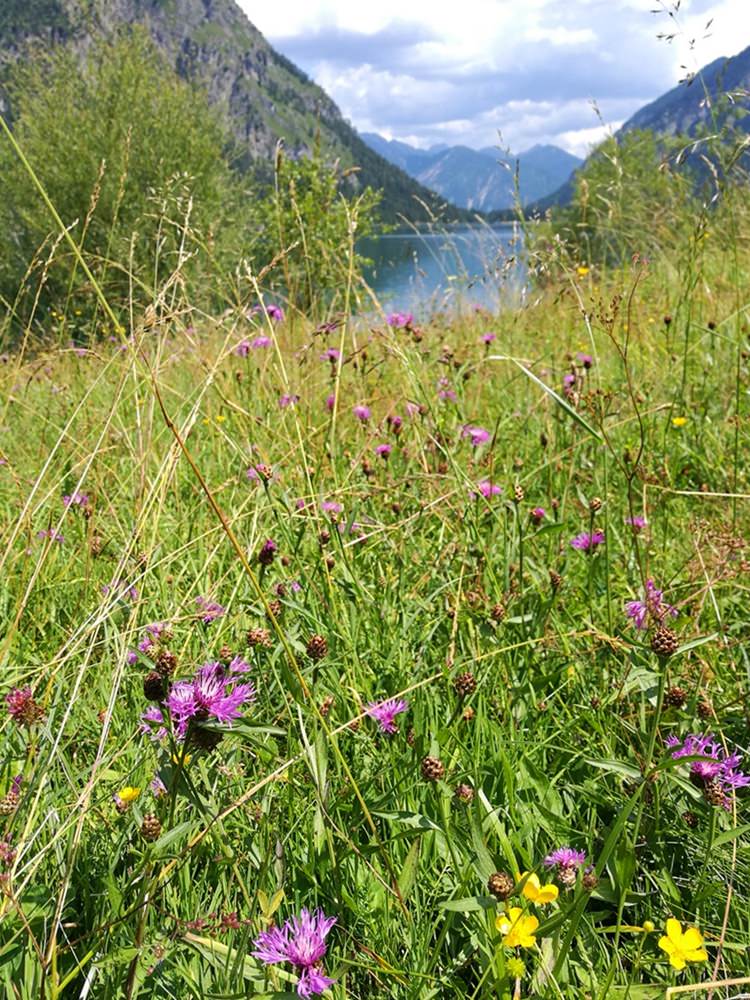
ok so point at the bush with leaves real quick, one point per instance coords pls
(137, 168)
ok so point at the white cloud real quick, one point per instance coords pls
(424, 71)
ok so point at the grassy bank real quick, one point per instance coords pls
(421, 551)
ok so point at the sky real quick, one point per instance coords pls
(511, 73)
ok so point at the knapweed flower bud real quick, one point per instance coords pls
(464, 793)
(166, 662)
(501, 885)
(154, 686)
(589, 881)
(150, 827)
(664, 641)
(258, 637)
(317, 647)
(465, 684)
(433, 769)
(675, 697)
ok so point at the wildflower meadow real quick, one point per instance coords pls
(354, 652)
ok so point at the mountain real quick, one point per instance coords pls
(262, 96)
(479, 179)
(685, 109)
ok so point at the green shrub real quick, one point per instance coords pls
(136, 165)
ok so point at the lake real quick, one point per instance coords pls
(454, 270)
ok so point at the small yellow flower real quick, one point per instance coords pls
(679, 421)
(582, 270)
(184, 760)
(517, 929)
(221, 418)
(682, 946)
(536, 892)
(515, 968)
(128, 794)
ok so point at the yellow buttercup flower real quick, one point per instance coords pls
(679, 421)
(221, 418)
(682, 946)
(536, 892)
(582, 271)
(128, 794)
(517, 929)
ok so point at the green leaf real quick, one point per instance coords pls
(408, 876)
(616, 767)
(562, 403)
(470, 904)
(729, 835)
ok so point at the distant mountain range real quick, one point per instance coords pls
(480, 179)
(692, 104)
(695, 104)
(260, 94)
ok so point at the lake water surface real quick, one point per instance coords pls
(454, 270)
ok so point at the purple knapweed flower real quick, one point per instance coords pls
(267, 552)
(650, 609)
(331, 507)
(152, 634)
(445, 391)
(486, 489)
(274, 312)
(209, 610)
(584, 359)
(400, 320)
(76, 500)
(361, 412)
(54, 536)
(288, 399)
(331, 354)
(537, 514)
(565, 857)
(478, 435)
(413, 409)
(383, 450)
(302, 943)
(260, 473)
(153, 725)
(384, 713)
(330, 401)
(587, 542)
(637, 523)
(395, 422)
(238, 665)
(157, 786)
(212, 693)
(717, 773)
(22, 707)
(242, 349)
(258, 343)
(487, 338)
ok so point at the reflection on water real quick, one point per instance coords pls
(454, 270)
